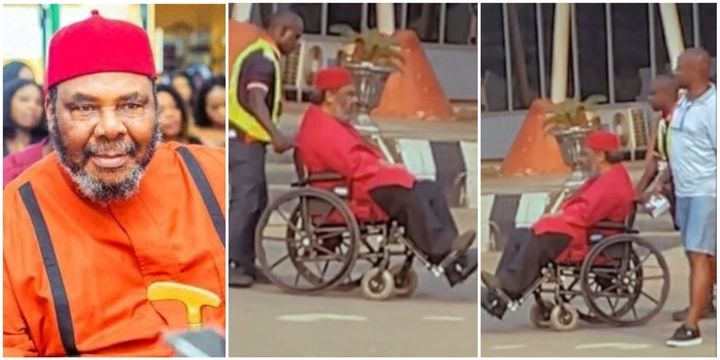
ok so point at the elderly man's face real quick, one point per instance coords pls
(343, 101)
(104, 128)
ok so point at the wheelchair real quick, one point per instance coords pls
(315, 238)
(611, 283)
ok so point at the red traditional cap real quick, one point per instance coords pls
(332, 78)
(602, 141)
(98, 45)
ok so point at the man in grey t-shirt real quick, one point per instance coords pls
(693, 163)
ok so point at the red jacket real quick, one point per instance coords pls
(607, 197)
(326, 144)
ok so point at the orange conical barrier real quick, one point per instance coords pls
(534, 153)
(241, 34)
(414, 91)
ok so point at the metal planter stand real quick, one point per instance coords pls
(572, 145)
(369, 80)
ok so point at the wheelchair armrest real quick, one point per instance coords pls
(610, 225)
(319, 177)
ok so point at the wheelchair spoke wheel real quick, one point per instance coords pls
(625, 280)
(320, 241)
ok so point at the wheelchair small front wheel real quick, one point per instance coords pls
(404, 285)
(563, 317)
(378, 284)
(540, 313)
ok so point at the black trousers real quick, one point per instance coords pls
(524, 256)
(248, 199)
(425, 214)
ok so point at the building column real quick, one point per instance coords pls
(673, 32)
(241, 12)
(385, 13)
(561, 46)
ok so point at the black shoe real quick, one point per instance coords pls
(709, 313)
(460, 269)
(240, 276)
(492, 303)
(684, 337)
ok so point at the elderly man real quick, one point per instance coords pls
(89, 228)
(327, 142)
(255, 96)
(693, 164)
(606, 196)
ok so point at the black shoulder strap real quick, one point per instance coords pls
(206, 192)
(57, 287)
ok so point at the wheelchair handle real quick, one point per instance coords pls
(194, 299)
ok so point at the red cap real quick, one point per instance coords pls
(602, 141)
(98, 45)
(332, 78)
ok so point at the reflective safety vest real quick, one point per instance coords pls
(239, 116)
(663, 139)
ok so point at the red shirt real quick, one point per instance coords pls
(15, 164)
(609, 197)
(326, 144)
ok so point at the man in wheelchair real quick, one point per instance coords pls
(607, 195)
(327, 142)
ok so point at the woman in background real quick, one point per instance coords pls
(23, 120)
(184, 86)
(210, 111)
(174, 122)
(17, 70)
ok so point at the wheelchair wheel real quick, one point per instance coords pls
(306, 241)
(378, 284)
(404, 285)
(563, 317)
(625, 280)
(540, 313)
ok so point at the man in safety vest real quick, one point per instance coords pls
(92, 228)
(255, 95)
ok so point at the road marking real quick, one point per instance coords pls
(616, 345)
(315, 317)
(508, 347)
(443, 318)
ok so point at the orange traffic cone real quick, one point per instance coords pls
(414, 91)
(533, 152)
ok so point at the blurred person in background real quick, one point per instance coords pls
(184, 86)
(23, 121)
(17, 69)
(209, 112)
(174, 122)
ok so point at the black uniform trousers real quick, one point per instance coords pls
(248, 199)
(524, 256)
(425, 214)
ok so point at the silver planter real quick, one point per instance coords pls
(369, 80)
(572, 145)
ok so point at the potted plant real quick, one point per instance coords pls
(369, 46)
(569, 122)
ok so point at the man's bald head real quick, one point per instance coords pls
(693, 67)
(285, 28)
(663, 93)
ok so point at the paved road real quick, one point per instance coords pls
(436, 321)
(515, 336)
